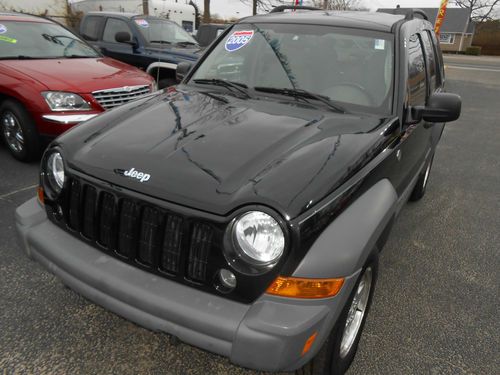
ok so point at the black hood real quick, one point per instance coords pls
(187, 53)
(216, 155)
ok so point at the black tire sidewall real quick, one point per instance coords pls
(421, 185)
(31, 148)
(340, 365)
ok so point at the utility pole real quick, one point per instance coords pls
(254, 7)
(145, 7)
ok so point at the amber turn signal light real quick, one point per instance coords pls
(309, 343)
(40, 195)
(305, 288)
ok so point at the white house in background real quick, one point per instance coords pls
(176, 10)
(56, 9)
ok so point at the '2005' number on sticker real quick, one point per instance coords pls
(238, 39)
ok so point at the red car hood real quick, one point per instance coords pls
(81, 75)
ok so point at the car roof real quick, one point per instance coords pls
(22, 17)
(353, 19)
(125, 15)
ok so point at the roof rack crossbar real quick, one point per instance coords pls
(282, 8)
(408, 13)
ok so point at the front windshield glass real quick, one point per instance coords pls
(40, 41)
(351, 67)
(157, 31)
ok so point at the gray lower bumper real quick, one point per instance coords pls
(266, 335)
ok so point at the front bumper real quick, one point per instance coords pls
(268, 334)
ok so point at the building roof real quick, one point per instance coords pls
(355, 19)
(454, 20)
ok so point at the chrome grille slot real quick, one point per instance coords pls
(115, 97)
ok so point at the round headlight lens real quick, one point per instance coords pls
(259, 237)
(55, 171)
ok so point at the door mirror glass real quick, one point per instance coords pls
(123, 37)
(441, 107)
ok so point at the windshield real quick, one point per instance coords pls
(351, 67)
(157, 31)
(40, 41)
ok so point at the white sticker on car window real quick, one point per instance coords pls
(238, 39)
(3, 29)
(379, 44)
(142, 22)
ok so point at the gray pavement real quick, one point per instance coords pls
(435, 308)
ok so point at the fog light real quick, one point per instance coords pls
(226, 281)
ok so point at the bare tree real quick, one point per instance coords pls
(479, 10)
(337, 4)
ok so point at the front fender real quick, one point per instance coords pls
(346, 243)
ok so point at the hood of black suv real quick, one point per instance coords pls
(187, 53)
(217, 154)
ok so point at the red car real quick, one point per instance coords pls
(51, 80)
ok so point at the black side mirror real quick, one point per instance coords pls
(123, 37)
(441, 107)
(182, 70)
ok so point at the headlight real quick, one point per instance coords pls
(154, 86)
(55, 172)
(65, 101)
(258, 239)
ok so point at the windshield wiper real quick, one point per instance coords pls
(160, 41)
(241, 87)
(80, 57)
(20, 57)
(186, 43)
(302, 94)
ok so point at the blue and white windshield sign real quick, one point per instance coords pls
(238, 39)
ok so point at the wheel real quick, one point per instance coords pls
(19, 131)
(419, 189)
(339, 350)
(166, 82)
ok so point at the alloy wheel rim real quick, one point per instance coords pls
(356, 313)
(12, 132)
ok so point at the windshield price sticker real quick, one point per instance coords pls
(238, 39)
(142, 23)
(379, 44)
(3, 29)
(7, 39)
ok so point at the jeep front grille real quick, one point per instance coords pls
(115, 97)
(138, 232)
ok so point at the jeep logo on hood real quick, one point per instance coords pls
(133, 173)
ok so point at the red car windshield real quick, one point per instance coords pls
(36, 40)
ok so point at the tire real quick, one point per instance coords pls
(337, 354)
(18, 131)
(166, 82)
(419, 189)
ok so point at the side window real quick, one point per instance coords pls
(430, 60)
(417, 84)
(112, 27)
(439, 59)
(90, 28)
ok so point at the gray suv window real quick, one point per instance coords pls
(90, 28)
(114, 26)
(417, 84)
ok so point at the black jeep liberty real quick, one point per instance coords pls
(243, 211)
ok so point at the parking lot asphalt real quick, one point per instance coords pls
(435, 307)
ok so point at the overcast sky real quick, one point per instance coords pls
(235, 8)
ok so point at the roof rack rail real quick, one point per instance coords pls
(408, 13)
(282, 8)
